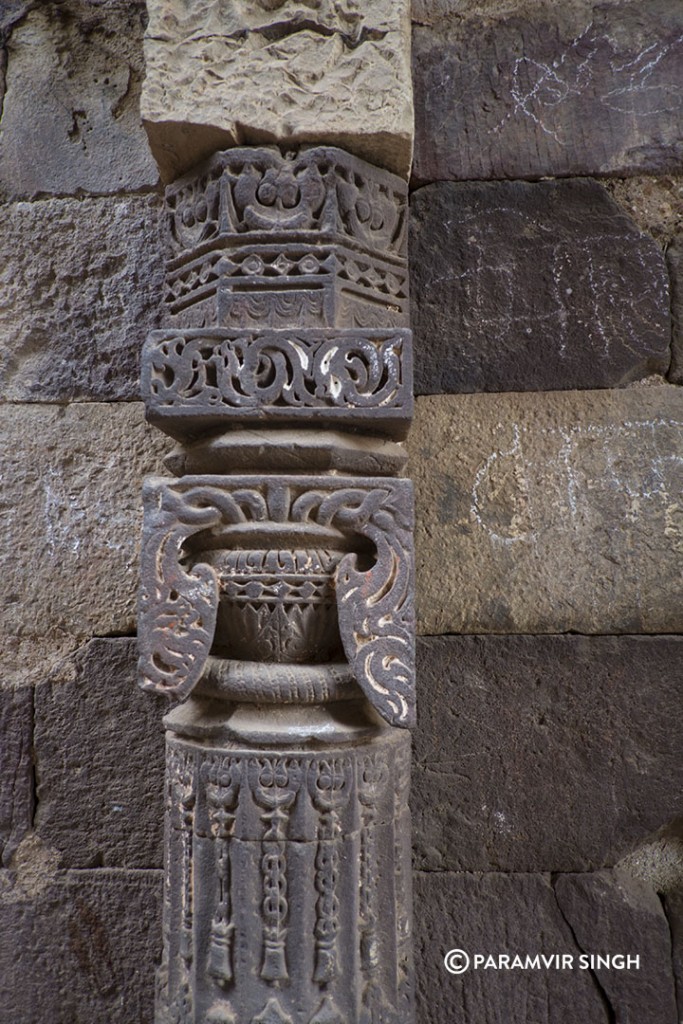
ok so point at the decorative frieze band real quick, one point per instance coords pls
(264, 238)
(210, 378)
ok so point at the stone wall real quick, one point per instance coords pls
(548, 461)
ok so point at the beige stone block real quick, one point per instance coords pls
(70, 520)
(550, 512)
(220, 74)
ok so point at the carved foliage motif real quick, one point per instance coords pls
(281, 373)
(374, 605)
(318, 189)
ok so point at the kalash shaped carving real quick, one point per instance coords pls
(277, 593)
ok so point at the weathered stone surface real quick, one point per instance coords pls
(82, 949)
(16, 768)
(674, 259)
(555, 753)
(99, 751)
(656, 204)
(658, 859)
(549, 91)
(71, 478)
(81, 284)
(673, 907)
(70, 118)
(321, 821)
(611, 912)
(226, 74)
(518, 286)
(522, 914)
(526, 914)
(550, 512)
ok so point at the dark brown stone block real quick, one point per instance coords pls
(71, 112)
(99, 762)
(550, 92)
(544, 753)
(529, 287)
(16, 768)
(81, 283)
(610, 912)
(673, 907)
(81, 948)
(526, 915)
(482, 914)
(674, 259)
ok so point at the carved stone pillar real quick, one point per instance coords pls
(277, 591)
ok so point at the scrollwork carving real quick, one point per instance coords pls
(177, 606)
(195, 375)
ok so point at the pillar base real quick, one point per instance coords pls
(287, 886)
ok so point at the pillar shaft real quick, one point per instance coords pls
(277, 577)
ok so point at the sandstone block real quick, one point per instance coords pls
(72, 479)
(220, 75)
(552, 90)
(549, 512)
(16, 768)
(526, 914)
(674, 259)
(83, 949)
(82, 283)
(70, 118)
(518, 286)
(99, 748)
(555, 753)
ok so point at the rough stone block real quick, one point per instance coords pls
(525, 915)
(556, 90)
(549, 512)
(81, 283)
(655, 203)
(70, 118)
(220, 75)
(81, 948)
(528, 287)
(609, 911)
(99, 749)
(72, 481)
(539, 753)
(673, 906)
(16, 768)
(674, 259)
